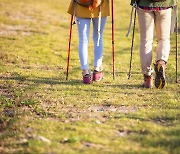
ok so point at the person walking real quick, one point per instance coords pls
(86, 11)
(154, 13)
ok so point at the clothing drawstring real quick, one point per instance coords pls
(74, 2)
(99, 26)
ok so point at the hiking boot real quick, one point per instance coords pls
(148, 81)
(98, 75)
(87, 77)
(160, 80)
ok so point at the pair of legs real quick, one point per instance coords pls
(161, 22)
(84, 31)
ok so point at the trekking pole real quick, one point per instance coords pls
(69, 48)
(132, 46)
(177, 44)
(112, 11)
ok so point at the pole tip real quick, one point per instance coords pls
(129, 76)
(177, 81)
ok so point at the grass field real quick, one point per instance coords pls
(41, 112)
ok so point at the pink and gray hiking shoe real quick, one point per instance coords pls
(87, 79)
(98, 75)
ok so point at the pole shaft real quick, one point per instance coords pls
(132, 46)
(69, 48)
(113, 59)
(177, 46)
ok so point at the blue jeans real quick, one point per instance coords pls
(84, 30)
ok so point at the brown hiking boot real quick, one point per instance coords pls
(160, 80)
(148, 81)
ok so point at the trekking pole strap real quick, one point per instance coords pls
(173, 20)
(131, 18)
(130, 23)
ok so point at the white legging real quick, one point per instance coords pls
(162, 22)
(84, 30)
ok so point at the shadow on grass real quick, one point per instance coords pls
(39, 80)
(58, 80)
(128, 86)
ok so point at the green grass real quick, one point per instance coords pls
(41, 112)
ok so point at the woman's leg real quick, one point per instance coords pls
(98, 49)
(163, 24)
(83, 31)
(146, 24)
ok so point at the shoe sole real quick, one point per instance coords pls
(159, 79)
(87, 82)
(147, 86)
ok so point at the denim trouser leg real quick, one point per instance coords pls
(98, 50)
(84, 31)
